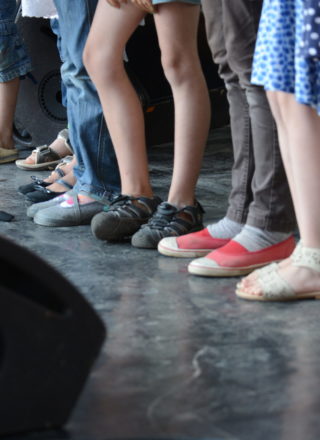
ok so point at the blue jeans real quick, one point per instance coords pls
(14, 61)
(97, 170)
(54, 22)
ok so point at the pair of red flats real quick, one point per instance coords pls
(222, 257)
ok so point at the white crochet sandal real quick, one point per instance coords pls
(269, 267)
(275, 288)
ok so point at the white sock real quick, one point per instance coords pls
(225, 228)
(255, 239)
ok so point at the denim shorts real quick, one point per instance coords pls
(190, 2)
(14, 61)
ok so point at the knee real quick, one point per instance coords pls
(177, 68)
(100, 65)
(91, 62)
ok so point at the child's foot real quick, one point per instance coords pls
(74, 210)
(8, 155)
(168, 221)
(47, 157)
(60, 184)
(298, 279)
(200, 243)
(123, 217)
(234, 259)
(62, 169)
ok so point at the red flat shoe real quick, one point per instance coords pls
(195, 244)
(233, 259)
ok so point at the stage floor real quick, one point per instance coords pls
(184, 358)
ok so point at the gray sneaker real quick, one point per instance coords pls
(75, 215)
(168, 221)
(33, 209)
(123, 217)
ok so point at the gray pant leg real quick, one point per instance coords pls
(243, 165)
(271, 206)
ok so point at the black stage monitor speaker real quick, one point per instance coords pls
(39, 107)
(49, 339)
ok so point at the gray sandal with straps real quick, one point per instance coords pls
(45, 158)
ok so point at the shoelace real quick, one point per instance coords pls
(120, 202)
(36, 180)
(163, 216)
(123, 205)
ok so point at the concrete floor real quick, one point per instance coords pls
(184, 358)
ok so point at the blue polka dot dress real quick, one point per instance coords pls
(280, 61)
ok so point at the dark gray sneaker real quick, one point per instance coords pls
(168, 221)
(123, 217)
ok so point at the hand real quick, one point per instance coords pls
(145, 5)
(116, 3)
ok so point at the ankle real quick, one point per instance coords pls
(136, 194)
(256, 239)
(6, 141)
(225, 229)
(83, 199)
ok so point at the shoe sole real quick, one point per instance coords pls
(311, 295)
(8, 159)
(38, 167)
(124, 232)
(183, 253)
(223, 272)
(57, 224)
(150, 243)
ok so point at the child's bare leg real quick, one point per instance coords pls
(177, 25)
(103, 58)
(302, 125)
(8, 101)
(278, 104)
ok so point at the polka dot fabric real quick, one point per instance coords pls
(278, 63)
(310, 44)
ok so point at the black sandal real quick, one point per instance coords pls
(41, 194)
(25, 189)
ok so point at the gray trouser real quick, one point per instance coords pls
(260, 194)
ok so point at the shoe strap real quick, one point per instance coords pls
(64, 183)
(125, 204)
(274, 286)
(64, 135)
(44, 154)
(167, 215)
(36, 180)
(306, 257)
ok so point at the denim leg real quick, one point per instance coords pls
(271, 206)
(243, 166)
(14, 61)
(54, 22)
(97, 170)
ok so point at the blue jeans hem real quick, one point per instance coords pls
(101, 195)
(17, 72)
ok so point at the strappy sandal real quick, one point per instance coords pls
(276, 288)
(45, 157)
(41, 194)
(25, 189)
(36, 182)
(269, 267)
